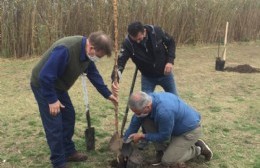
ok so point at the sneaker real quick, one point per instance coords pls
(142, 144)
(77, 157)
(205, 150)
(158, 158)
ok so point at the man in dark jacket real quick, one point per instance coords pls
(153, 52)
(166, 117)
(51, 79)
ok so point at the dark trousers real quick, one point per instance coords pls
(58, 129)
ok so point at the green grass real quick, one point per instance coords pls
(228, 101)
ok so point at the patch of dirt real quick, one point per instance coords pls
(140, 159)
(243, 69)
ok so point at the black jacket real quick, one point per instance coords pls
(151, 57)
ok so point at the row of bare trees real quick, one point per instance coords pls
(28, 27)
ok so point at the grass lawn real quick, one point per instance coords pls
(228, 101)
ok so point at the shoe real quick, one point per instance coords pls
(142, 144)
(77, 157)
(205, 150)
(158, 158)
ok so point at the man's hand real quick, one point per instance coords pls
(55, 108)
(115, 88)
(136, 137)
(168, 68)
(113, 99)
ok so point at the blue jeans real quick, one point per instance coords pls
(166, 82)
(58, 129)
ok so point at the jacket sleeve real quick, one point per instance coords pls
(51, 71)
(123, 57)
(165, 127)
(134, 125)
(169, 43)
(96, 79)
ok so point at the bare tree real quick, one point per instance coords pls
(28, 27)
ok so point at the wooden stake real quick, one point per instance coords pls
(116, 54)
(225, 42)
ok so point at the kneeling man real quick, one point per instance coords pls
(166, 117)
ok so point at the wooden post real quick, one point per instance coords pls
(225, 42)
(115, 12)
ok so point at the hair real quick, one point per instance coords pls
(135, 28)
(101, 42)
(139, 100)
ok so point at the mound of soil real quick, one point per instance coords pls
(242, 69)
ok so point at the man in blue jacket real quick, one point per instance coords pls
(166, 117)
(51, 79)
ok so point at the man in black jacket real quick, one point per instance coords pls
(153, 52)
